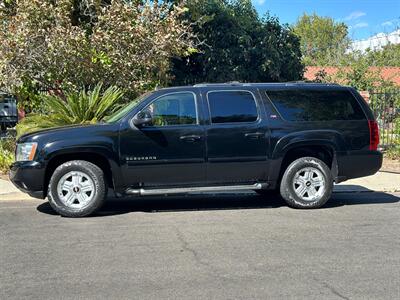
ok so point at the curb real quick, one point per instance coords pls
(370, 191)
(390, 172)
(15, 196)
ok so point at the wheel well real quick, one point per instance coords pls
(323, 153)
(94, 158)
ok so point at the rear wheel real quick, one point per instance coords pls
(307, 183)
(77, 189)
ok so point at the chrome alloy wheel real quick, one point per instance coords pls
(76, 189)
(309, 184)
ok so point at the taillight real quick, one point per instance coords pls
(374, 135)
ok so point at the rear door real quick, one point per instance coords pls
(237, 137)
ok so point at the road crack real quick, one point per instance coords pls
(186, 247)
(333, 290)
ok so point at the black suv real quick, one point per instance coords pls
(296, 137)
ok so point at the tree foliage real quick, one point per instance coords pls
(78, 43)
(389, 55)
(238, 45)
(323, 40)
(360, 76)
(357, 74)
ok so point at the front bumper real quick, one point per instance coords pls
(29, 178)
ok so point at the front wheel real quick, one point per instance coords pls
(307, 183)
(77, 189)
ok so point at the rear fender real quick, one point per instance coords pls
(329, 139)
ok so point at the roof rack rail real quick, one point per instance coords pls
(310, 81)
(230, 83)
(299, 81)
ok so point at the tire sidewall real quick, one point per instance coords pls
(91, 170)
(287, 188)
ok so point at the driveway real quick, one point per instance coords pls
(220, 246)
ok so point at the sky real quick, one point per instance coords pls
(365, 18)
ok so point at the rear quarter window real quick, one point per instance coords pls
(298, 105)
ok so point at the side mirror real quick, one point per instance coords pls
(143, 118)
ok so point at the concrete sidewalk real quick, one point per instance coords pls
(380, 182)
(9, 192)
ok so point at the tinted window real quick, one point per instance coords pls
(232, 107)
(173, 109)
(316, 105)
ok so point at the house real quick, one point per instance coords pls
(388, 73)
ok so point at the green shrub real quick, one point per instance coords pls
(73, 108)
(7, 147)
(397, 126)
(74, 43)
(394, 151)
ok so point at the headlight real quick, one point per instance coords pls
(26, 151)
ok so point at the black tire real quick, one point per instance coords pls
(90, 170)
(287, 188)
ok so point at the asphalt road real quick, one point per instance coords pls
(204, 247)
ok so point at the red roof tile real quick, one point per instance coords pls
(387, 73)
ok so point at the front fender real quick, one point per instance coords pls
(106, 151)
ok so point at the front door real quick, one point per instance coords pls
(171, 150)
(237, 138)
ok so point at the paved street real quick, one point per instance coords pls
(204, 247)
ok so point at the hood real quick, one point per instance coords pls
(66, 132)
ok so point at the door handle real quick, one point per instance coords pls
(254, 136)
(190, 138)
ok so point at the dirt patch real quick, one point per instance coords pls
(390, 165)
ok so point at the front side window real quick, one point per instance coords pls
(173, 109)
(232, 107)
(316, 105)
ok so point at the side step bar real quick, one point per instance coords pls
(153, 192)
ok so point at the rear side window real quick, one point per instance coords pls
(316, 105)
(232, 107)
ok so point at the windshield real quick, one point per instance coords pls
(120, 114)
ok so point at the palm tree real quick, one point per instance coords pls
(74, 108)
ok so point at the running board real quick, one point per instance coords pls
(153, 192)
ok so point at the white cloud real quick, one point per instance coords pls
(387, 23)
(260, 2)
(360, 25)
(376, 42)
(355, 15)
